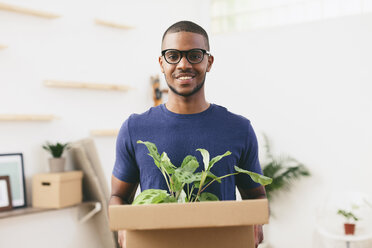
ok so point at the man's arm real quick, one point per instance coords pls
(122, 193)
(255, 193)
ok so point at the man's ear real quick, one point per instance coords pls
(210, 62)
(161, 64)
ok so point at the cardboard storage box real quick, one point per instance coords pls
(57, 190)
(219, 224)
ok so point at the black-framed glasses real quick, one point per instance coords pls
(194, 56)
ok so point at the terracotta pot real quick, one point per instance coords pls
(57, 165)
(349, 228)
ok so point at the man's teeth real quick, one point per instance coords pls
(184, 78)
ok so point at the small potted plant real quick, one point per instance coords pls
(57, 162)
(349, 225)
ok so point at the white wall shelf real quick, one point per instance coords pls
(112, 24)
(104, 132)
(23, 117)
(86, 211)
(81, 85)
(27, 11)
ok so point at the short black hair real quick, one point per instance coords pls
(187, 26)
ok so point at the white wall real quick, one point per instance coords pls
(308, 87)
(73, 48)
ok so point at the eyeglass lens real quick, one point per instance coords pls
(193, 56)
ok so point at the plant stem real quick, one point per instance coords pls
(179, 192)
(188, 191)
(166, 180)
(216, 179)
(190, 194)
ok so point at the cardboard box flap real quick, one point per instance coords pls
(189, 215)
(60, 177)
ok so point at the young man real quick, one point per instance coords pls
(182, 125)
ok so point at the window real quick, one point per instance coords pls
(239, 15)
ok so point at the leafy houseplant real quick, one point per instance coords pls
(177, 178)
(57, 162)
(349, 226)
(283, 171)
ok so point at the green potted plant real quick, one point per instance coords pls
(56, 162)
(349, 225)
(184, 184)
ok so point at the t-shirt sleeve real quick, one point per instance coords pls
(249, 161)
(125, 168)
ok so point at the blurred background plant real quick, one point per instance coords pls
(56, 150)
(284, 170)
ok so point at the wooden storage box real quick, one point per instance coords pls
(57, 190)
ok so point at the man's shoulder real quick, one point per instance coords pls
(151, 113)
(231, 116)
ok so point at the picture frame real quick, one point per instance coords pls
(5, 194)
(11, 164)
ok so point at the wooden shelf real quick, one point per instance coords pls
(3, 46)
(104, 132)
(112, 24)
(81, 85)
(90, 208)
(22, 117)
(27, 11)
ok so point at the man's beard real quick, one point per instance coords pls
(195, 90)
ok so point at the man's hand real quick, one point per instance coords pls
(258, 235)
(121, 238)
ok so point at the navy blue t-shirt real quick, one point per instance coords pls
(215, 129)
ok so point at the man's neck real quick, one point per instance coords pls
(185, 105)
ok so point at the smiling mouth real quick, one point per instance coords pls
(185, 78)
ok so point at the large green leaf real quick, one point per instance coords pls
(206, 157)
(190, 163)
(151, 196)
(166, 164)
(184, 176)
(263, 180)
(217, 158)
(206, 196)
(153, 151)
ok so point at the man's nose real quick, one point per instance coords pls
(184, 63)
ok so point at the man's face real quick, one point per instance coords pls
(185, 79)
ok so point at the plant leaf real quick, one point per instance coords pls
(184, 176)
(166, 163)
(213, 176)
(210, 177)
(190, 163)
(263, 180)
(175, 184)
(169, 199)
(153, 151)
(217, 158)
(206, 196)
(206, 157)
(151, 196)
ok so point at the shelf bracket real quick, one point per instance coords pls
(88, 210)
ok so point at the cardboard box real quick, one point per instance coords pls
(199, 225)
(57, 190)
